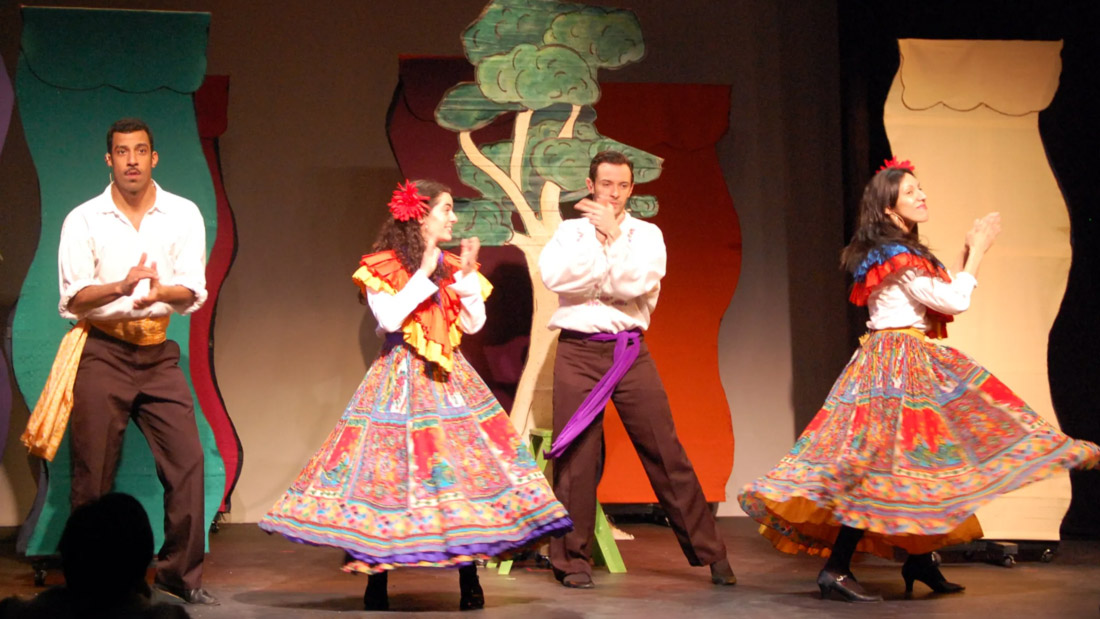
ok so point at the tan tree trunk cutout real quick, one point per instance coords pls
(537, 61)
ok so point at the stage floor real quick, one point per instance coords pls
(257, 575)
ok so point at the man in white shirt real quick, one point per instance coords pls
(606, 268)
(127, 259)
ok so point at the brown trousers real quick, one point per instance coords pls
(643, 407)
(117, 381)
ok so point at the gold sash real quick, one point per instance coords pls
(141, 332)
(51, 414)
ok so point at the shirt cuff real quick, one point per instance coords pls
(67, 296)
(196, 287)
(963, 276)
(466, 285)
(422, 284)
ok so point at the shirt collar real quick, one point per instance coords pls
(107, 203)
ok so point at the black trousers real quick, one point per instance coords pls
(643, 407)
(117, 381)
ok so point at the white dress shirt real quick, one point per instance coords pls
(604, 288)
(99, 245)
(391, 310)
(903, 298)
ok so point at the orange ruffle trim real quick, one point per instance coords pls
(432, 328)
(816, 522)
(861, 290)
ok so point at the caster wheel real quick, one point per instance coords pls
(40, 578)
(1047, 556)
(1008, 561)
(542, 561)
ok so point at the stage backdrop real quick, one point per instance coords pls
(7, 102)
(212, 116)
(966, 114)
(79, 71)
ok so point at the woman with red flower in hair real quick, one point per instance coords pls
(914, 436)
(424, 467)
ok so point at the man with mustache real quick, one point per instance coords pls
(127, 259)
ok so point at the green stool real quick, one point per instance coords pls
(606, 551)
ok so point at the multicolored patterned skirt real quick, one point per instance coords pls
(423, 469)
(913, 439)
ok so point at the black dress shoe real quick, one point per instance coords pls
(721, 573)
(846, 585)
(197, 596)
(472, 597)
(928, 573)
(578, 580)
(376, 596)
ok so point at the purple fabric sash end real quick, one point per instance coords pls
(627, 345)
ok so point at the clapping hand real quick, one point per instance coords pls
(154, 284)
(136, 274)
(602, 216)
(470, 248)
(985, 230)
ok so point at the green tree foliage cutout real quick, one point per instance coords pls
(537, 61)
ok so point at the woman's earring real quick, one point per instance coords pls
(898, 220)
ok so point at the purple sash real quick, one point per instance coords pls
(627, 345)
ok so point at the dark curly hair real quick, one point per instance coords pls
(405, 238)
(875, 227)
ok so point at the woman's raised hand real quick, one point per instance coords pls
(470, 248)
(985, 230)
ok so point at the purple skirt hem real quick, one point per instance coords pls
(556, 528)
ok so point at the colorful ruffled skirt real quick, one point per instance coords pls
(423, 469)
(912, 440)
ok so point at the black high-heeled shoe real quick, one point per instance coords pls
(846, 585)
(929, 574)
(472, 597)
(376, 597)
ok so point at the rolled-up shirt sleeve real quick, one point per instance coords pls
(75, 262)
(189, 269)
(944, 297)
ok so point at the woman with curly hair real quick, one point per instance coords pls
(424, 468)
(915, 436)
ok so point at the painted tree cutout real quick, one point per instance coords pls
(537, 60)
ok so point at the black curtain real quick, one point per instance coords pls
(1070, 130)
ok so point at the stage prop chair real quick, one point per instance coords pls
(606, 551)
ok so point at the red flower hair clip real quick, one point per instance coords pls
(894, 163)
(407, 203)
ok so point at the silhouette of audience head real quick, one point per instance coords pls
(105, 549)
